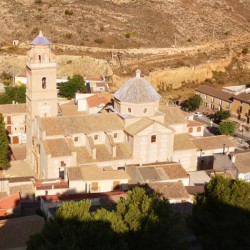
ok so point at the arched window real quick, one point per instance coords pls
(129, 110)
(44, 82)
(40, 58)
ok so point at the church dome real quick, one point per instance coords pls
(41, 40)
(137, 90)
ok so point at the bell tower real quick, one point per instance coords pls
(41, 92)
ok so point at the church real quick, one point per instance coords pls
(88, 149)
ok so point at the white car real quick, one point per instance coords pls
(197, 114)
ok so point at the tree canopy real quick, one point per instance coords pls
(221, 115)
(4, 146)
(193, 103)
(227, 128)
(13, 93)
(221, 215)
(73, 85)
(139, 222)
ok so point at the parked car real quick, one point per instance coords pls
(198, 114)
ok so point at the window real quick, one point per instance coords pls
(96, 137)
(199, 129)
(44, 82)
(40, 58)
(76, 139)
(94, 187)
(63, 164)
(116, 135)
(61, 173)
(144, 110)
(129, 110)
(190, 130)
(153, 138)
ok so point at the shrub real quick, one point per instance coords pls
(189, 40)
(99, 40)
(68, 35)
(101, 27)
(68, 12)
(128, 35)
(245, 51)
(38, 1)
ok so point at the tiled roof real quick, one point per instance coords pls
(41, 40)
(70, 109)
(242, 162)
(170, 190)
(192, 123)
(81, 124)
(183, 142)
(213, 142)
(94, 173)
(16, 232)
(162, 171)
(138, 126)
(173, 115)
(102, 153)
(57, 147)
(215, 93)
(244, 97)
(8, 109)
(95, 101)
(137, 90)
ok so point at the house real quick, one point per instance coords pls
(213, 98)
(93, 179)
(21, 79)
(161, 172)
(235, 90)
(241, 161)
(14, 119)
(96, 84)
(174, 192)
(241, 107)
(15, 232)
(208, 146)
(195, 128)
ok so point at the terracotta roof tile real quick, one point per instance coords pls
(213, 142)
(192, 123)
(94, 173)
(173, 115)
(8, 109)
(170, 190)
(96, 101)
(244, 97)
(57, 147)
(162, 171)
(183, 142)
(219, 94)
(81, 124)
(16, 232)
(242, 162)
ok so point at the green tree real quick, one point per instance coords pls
(193, 103)
(13, 93)
(227, 128)
(139, 222)
(4, 146)
(72, 86)
(221, 115)
(221, 215)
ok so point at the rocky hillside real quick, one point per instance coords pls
(124, 23)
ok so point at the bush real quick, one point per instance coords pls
(245, 51)
(99, 40)
(193, 103)
(221, 115)
(189, 40)
(227, 128)
(38, 1)
(128, 35)
(68, 12)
